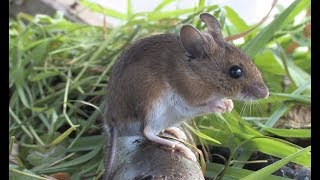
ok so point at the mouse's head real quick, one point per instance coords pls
(223, 67)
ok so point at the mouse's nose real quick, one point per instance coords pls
(266, 94)
(258, 90)
(262, 91)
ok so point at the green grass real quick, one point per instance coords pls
(59, 70)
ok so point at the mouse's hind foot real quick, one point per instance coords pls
(171, 145)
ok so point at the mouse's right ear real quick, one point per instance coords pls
(192, 41)
(212, 23)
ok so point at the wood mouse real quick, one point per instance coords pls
(163, 80)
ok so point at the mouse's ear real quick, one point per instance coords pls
(192, 41)
(211, 22)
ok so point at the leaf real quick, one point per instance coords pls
(295, 73)
(87, 103)
(46, 156)
(278, 148)
(268, 62)
(243, 131)
(259, 42)
(284, 107)
(129, 10)
(298, 98)
(74, 162)
(200, 134)
(36, 43)
(89, 122)
(163, 4)
(43, 75)
(270, 99)
(244, 33)
(87, 143)
(296, 133)
(298, 75)
(162, 15)
(234, 172)
(22, 96)
(238, 125)
(104, 10)
(266, 171)
(155, 16)
(301, 6)
(235, 19)
(40, 52)
(16, 174)
(273, 119)
(63, 135)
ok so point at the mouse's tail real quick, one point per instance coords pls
(112, 149)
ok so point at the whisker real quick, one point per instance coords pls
(250, 105)
(275, 100)
(244, 108)
(260, 110)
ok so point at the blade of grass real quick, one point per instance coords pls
(22, 96)
(86, 103)
(302, 87)
(91, 119)
(235, 19)
(233, 172)
(63, 136)
(296, 74)
(65, 100)
(200, 134)
(12, 139)
(35, 135)
(255, 141)
(299, 98)
(297, 133)
(242, 34)
(87, 143)
(84, 158)
(277, 115)
(163, 4)
(60, 160)
(129, 10)
(266, 171)
(301, 6)
(19, 122)
(26, 174)
(256, 44)
(285, 106)
(104, 10)
(278, 148)
(202, 3)
(40, 76)
(155, 16)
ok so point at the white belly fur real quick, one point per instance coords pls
(170, 110)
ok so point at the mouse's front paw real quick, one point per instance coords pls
(229, 105)
(220, 106)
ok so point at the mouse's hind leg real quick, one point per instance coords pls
(169, 145)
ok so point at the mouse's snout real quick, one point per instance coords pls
(260, 91)
(257, 91)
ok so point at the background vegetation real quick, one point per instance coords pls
(59, 70)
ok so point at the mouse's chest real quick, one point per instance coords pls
(170, 110)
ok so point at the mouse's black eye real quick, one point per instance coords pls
(236, 72)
